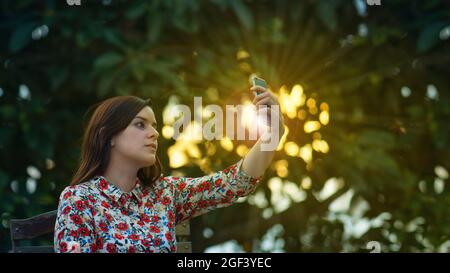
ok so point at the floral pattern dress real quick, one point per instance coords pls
(96, 216)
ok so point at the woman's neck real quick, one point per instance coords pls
(121, 174)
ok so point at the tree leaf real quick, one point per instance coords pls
(429, 36)
(21, 37)
(136, 10)
(243, 13)
(154, 25)
(108, 59)
(327, 13)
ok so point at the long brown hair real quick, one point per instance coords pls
(110, 118)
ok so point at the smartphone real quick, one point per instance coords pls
(259, 82)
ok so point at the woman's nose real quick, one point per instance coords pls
(153, 133)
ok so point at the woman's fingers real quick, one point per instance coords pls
(258, 89)
(265, 101)
(265, 97)
(261, 96)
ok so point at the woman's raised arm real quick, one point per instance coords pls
(261, 154)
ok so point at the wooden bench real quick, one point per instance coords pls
(44, 224)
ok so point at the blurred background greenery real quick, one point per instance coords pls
(364, 90)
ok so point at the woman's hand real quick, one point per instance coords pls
(258, 159)
(266, 97)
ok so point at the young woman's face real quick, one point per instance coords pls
(139, 141)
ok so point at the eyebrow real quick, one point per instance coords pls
(154, 123)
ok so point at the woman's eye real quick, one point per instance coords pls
(140, 124)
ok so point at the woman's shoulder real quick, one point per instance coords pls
(165, 182)
(80, 190)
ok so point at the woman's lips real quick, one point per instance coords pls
(153, 146)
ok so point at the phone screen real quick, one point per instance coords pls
(259, 82)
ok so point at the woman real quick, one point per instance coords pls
(119, 201)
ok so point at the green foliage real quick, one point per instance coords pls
(385, 146)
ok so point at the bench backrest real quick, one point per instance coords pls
(44, 224)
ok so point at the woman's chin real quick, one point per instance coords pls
(149, 160)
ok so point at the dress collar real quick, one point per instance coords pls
(114, 192)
